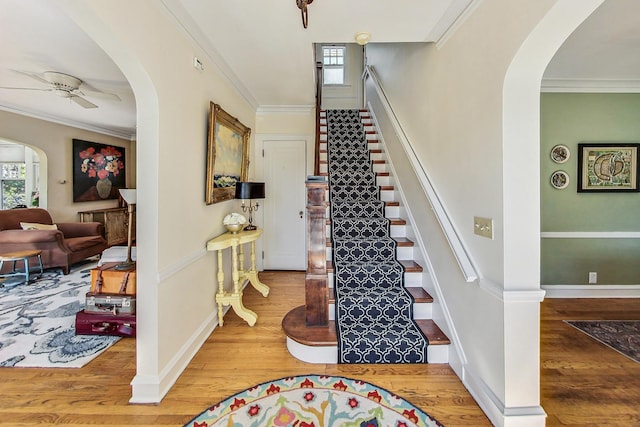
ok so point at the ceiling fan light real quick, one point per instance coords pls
(362, 38)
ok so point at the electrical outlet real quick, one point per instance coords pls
(593, 277)
(483, 227)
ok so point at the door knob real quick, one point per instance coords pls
(301, 214)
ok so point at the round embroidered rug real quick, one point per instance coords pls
(314, 401)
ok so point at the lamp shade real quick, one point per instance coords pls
(249, 190)
(129, 195)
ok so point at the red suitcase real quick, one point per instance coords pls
(120, 325)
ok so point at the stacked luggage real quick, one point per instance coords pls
(110, 306)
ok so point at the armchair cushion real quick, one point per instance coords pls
(36, 226)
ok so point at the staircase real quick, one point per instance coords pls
(319, 344)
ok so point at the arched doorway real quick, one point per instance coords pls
(21, 169)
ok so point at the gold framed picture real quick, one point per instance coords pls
(227, 155)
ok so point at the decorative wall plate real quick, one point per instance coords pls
(560, 153)
(560, 180)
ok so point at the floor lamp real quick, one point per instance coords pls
(129, 196)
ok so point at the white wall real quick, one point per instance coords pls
(348, 95)
(53, 142)
(470, 106)
(176, 308)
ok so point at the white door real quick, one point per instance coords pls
(285, 205)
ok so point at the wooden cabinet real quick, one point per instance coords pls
(115, 221)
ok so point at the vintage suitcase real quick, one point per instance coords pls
(122, 325)
(106, 279)
(110, 303)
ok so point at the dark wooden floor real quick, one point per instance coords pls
(583, 383)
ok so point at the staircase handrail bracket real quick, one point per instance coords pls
(453, 238)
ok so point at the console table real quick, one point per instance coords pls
(235, 242)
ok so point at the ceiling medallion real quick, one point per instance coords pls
(302, 5)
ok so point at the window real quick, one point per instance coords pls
(12, 184)
(333, 64)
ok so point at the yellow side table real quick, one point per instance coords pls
(234, 241)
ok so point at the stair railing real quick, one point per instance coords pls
(316, 164)
(455, 242)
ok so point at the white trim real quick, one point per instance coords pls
(285, 109)
(152, 388)
(592, 291)
(462, 11)
(184, 21)
(455, 242)
(529, 296)
(494, 408)
(590, 85)
(72, 123)
(185, 262)
(590, 234)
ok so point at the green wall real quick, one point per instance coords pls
(568, 119)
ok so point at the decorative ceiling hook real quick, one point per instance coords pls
(302, 5)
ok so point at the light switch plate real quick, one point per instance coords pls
(483, 227)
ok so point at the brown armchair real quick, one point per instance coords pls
(69, 244)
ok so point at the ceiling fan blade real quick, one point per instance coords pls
(89, 90)
(25, 88)
(33, 76)
(82, 102)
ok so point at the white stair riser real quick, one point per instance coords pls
(395, 230)
(421, 310)
(389, 211)
(402, 253)
(329, 354)
(412, 279)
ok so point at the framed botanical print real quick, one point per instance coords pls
(611, 167)
(227, 155)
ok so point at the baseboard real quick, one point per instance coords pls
(493, 407)
(151, 389)
(592, 291)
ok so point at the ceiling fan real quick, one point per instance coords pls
(66, 86)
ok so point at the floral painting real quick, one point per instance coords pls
(98, 171)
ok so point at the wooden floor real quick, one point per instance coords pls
(583, 383)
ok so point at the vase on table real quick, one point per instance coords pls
(104, 188)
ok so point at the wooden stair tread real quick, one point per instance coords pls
(401, 241)
(378, 174)
(375, 162)
(294, 327)
(410, 266)
(419, 295)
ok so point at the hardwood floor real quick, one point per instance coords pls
(583, 383)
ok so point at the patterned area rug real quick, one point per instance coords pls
(621, 335)
(37, 322)
(314, 401)
(374, 311)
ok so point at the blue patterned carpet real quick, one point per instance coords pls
(374, 311)
(37, 322)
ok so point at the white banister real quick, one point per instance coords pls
(457, 246)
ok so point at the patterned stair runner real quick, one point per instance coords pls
(374, 311)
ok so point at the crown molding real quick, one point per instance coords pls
(118, 133)
(186, 23)
(590, 85)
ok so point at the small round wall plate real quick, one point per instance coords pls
(560, 180)
(560, 153)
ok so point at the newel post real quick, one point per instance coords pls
(316, 279)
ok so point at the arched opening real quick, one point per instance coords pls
(23, 170)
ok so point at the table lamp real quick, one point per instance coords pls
(249, 191)
(129, 196)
